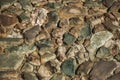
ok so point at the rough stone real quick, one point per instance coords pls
(103, 52)
(115, 77)
(68, 38)
(29, 76)
(68, 67)
(102, 69)
(10, 61)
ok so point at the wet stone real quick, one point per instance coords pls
(68, 67)
(115, 77)
(29, 76)
(102, 69)
(103, 52)
(10, 61)
(68, 38)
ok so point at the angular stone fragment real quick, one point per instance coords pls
(47, 57)
(29, 76)
(103, 52)
(21, 49)
(68, 67)
(27, 67)
(43, 71)
(115, 77)
(68, 38)
(26, 5)
(102, 69)
(10, 61)
(84, 32)
(84, 67)
(117, 57)
(32, 33)
(115, 7)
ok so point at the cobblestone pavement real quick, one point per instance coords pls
(59, 39)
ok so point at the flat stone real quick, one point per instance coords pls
(85, 67)
(68, 38)
(21, 49)
(32, 33)
(68, 67)
(115, 77)
(9, 74)
(8, 21)
(10, 61)
(102, 69)
(29, 76)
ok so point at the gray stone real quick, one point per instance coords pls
(68, 38)
(10, 61)
(53, 5)
(103, 52)
(68, 67)
(29, 76)
(102, 69)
